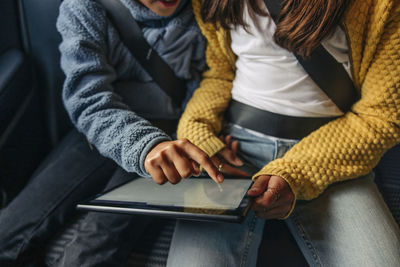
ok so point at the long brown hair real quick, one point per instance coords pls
(301, 24)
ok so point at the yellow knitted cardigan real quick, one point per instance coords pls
(345, 148)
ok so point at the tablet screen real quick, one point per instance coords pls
(201, 193)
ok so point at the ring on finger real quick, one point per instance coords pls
(275, 192)
(220, 167)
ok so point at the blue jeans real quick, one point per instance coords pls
(349, 225)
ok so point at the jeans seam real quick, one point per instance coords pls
(51, 207)
(306, 239)
(248, 240)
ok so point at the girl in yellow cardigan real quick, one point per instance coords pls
(251, 65)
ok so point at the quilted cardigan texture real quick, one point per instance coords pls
(345, 148)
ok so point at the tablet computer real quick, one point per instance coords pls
(192, 198)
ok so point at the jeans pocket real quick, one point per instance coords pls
(282, 146)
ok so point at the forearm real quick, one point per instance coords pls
(344, 149)
(202, 119)
(108, 123)
(88, 93)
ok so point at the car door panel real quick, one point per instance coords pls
(23, 136)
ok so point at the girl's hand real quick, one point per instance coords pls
(226, 159)
(274, 197)
(173, 160)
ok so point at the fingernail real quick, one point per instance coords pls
(220, 178)
(253, 190)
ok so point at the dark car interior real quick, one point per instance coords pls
(33, 121)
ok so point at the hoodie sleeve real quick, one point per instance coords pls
(88, 94)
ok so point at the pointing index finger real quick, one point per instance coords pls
(208, 166)
(204, 160)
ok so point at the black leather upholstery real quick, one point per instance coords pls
(41, 41)
(12, 61)
(30, 96)
(9, 32)
(23, 140)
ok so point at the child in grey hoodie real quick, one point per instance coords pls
(98, 66)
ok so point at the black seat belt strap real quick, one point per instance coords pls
(323, 69)
(132, 36)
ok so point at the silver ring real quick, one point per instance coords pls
(220, 167)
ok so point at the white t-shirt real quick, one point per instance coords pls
(269, 77)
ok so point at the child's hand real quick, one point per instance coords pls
(274, 197)
(227, 158)
(229, 153)
(173, 160)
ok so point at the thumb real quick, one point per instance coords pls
(259, 186)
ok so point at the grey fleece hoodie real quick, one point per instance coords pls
(97, 65)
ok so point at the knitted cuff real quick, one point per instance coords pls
(211, 146)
